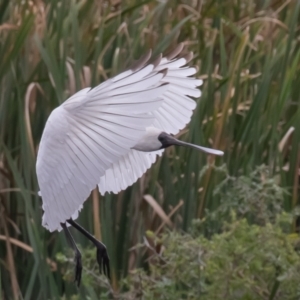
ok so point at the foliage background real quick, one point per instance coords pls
(247, 52)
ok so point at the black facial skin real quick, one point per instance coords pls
(166, 140)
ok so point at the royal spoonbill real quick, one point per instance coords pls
(110, 135)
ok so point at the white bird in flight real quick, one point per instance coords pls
(109, 136)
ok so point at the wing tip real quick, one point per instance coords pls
(157, 61)
(198, 82)
(164, 72)
(141, 62)
(175, 52)
(188, 57)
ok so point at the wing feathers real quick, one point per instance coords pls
(175, 52)
(142, 61)
(117, 97)
(184, 82)
(127, 171)
(82, 139)
(116, 78)
(185, 90)
(125, 80)
(182, 72)
(171, 116)
(88, 139)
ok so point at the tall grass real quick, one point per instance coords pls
(247, 52)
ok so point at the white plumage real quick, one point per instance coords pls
(90, 138)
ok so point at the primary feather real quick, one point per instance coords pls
(88, 140)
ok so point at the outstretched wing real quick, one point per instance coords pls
(127, 170)
(171, 116)
(88, 133)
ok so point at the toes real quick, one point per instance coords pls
(103, 261)
(99, 260)
(106, 269)
(78, 270)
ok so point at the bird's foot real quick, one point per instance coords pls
(103, 260)
(78, 269)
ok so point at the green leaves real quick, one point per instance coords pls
(243, 262)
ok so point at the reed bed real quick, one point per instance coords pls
(248, 54)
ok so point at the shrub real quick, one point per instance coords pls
(243, 262)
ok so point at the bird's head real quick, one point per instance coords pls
(155, 139)
(166, 140)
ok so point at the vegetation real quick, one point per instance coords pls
(239, 260)
(244, 262)
(248, 54)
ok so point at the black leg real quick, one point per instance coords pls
(77, 258)
(102, 256)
